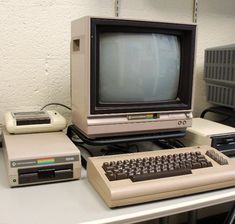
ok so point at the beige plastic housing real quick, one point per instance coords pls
(202, 130)
(125, 192)
(93, 125)
(57, 123)
(27, 149)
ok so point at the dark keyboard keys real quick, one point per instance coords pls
(157, 175)
(160, 166)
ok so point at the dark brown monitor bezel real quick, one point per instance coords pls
(186, 34)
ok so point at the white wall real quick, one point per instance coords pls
(35, 38)
(34, 50)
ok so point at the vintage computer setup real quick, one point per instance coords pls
(131, 81)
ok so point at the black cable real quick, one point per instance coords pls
(219, 110)
(82, 146)
(163, 143)
(76, 139)
(179, 142)
(135, 146)
(78, 142)
(106, 152)
(117, 149)
(57, 104)
(225, 119)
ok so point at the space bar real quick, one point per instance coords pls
(170, 173)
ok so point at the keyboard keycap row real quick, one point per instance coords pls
(155, 167)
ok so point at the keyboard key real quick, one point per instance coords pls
(216, 157)
(150, 176)
(196, 165)
(120, 176)
(111, 176)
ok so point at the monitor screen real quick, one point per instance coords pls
(138, 67)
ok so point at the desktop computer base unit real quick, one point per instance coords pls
(140, 177)
(40, 158)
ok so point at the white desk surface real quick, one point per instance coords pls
(77, 202)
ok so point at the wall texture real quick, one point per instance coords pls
(35, 39)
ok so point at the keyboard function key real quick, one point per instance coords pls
(216, 157)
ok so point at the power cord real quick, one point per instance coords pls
(163, 143)
(176, 143)
(117, 149)
(78, 142)
(57, 104)
(84, 147)
(169, 143)
(1, 126)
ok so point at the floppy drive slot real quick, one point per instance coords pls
(49, 173)
(225, 144)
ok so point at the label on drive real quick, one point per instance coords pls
(43, 161)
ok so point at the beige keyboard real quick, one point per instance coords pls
(147, 176)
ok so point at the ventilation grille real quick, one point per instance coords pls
(220, 66)
(224, 96)
(219, 74)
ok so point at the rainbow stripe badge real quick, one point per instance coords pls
(45, 161)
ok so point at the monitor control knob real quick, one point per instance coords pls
(179, 122)
(184, 122)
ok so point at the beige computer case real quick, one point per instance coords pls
(108, 124)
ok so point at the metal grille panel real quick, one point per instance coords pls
(219, 74)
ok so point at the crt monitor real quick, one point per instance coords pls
(130, 76)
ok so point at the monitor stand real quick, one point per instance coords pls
(72, 129)
(108, 145)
